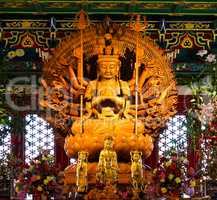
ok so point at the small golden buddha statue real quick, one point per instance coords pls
(81, 172)
(107, 170)
(136, 170)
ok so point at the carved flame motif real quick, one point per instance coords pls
(156, 83)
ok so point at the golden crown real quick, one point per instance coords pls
(109, 52)
(135, 152)
(108, 137)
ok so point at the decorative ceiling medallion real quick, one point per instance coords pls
(26, 24)
(187, 42)
(189, 25)
(27, 42)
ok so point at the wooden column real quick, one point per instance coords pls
(18, 135)
(61, 159)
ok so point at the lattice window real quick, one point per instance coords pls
(5, 141)
(39, 135)
(174, 135)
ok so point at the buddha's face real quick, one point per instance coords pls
(136, 156)
(108, 144)
(82, 156)
(108, 70)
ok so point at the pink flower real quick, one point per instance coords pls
(211, 58)
(162, 175)
(174, 158)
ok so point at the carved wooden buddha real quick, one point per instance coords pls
(107, 96)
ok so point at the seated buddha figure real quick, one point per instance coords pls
(107, 96)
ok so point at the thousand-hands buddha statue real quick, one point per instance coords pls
(107, 101)
(86, 112)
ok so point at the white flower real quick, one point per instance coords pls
(201, 53)
(211, 58)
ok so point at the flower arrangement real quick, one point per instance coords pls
(208, 117)
(39, 177)
(10, 165)
(173, 177)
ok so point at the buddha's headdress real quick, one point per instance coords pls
(83, 154)
(108, 137)
(135, 152)
(107, 50)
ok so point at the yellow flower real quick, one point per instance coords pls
(39, 188)
(44, 158)
(168, 163)
(46, 181)
(17, 189)
(178, 180)
(192, 183)
(162, 180)
(155, 171)
(20, 52)
(163, 190)
(11, 54)
(38, 177)
(170, 177)
(50, 178)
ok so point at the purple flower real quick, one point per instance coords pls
(190, 191)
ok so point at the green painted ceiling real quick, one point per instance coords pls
(195, 17)
(146, 7)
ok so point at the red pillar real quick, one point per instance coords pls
(153, 159)
(17, 135)
(62, 161)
